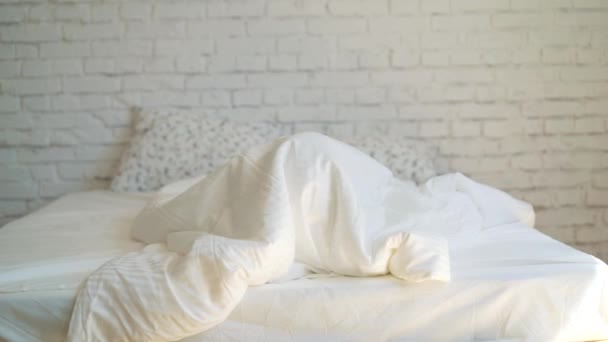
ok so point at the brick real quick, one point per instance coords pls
(502, 128)
(597, 198)
(156, 65)
(277, 96)
(339, 78)
(457, 22)
(405, 59)
(540, 4)
(401, 95)
(591, 234)
(251, 63)
(276, 27)
(563, 234)
(215, 81)
(288, 8)
(488, 164)
(43, 171)
(310, 96)
(91, 84)
(188, 47)
(433, 129)
(12, 14)
(135, 11)
(169, 98)
(215, 98)
(435, 6)
(12, 208)
(153, 82)
(371, 42)
(157, 30)
(282, 62)
(464, 76)
(435, 58)
(247, 97)
(375, 112)
(382, 25)
(104, 12)
(336, 26)
(306, 44)
(179, 10)
(370, 95)
(312, 62)
(30, 33)
(18, 190)
(527, 162)
(483, 39)
(54, 50)
(36, 68)
(560, 108)
(92, 31)
(584, 19)
(466, 129)
(72, 12)
(37, 103)
(486, 5)
(277, 80)
(559, 37)
(575, 160)
(519, 20)
(588, 125)
(77, 171)
(252, 8)
(600, 180)
(401, 77)
(130, 48)
(404, 6)
(194, 64)
(245, 46)
(13, 173)
(589, 4)
(216, 28)
(341, 96)
(7, 51)
(31, 86)
(358, 7)
(9, 104)
(363, 128)
(307, 113)
(559, 126)
(403, 129)
(343, 61)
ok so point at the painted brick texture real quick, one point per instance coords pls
(515, 93)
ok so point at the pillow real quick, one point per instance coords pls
(171, 146)
(408, 159)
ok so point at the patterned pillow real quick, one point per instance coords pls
(408, 159)
(170, 146)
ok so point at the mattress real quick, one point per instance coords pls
(511, 282)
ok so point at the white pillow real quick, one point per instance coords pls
(171, 146)
(408, 159)
(167, 147)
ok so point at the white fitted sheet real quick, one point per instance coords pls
(512, 282)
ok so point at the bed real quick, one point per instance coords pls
(509, 282)
(521, 282)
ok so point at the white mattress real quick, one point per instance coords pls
(513, 282)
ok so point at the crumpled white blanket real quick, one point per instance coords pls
(305, 198)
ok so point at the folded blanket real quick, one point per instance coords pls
(305, 198)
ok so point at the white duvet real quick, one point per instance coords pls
(305, 198)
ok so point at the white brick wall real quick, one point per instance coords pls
(514, 92)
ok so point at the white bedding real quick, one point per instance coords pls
(509, 283)
(503, 279)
